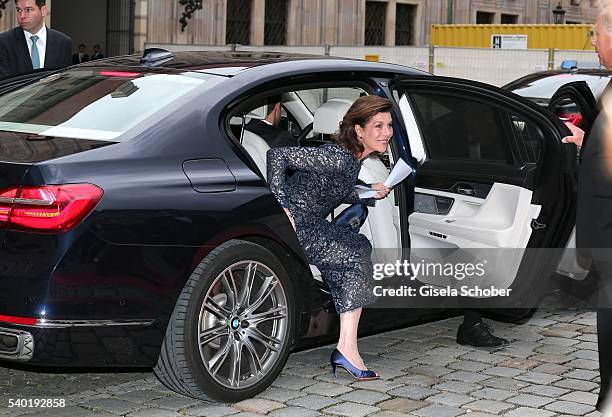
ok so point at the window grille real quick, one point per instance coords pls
(376, 15)
(404, 24)
(238, 22)
(509, 19)
(484, 18)
(275, 29)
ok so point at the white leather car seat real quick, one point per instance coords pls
(254, 144)
(257, 147)
(380, 227)
(328, 116)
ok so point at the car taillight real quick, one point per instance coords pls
(573, 118)
(47, 208)
(7, 197)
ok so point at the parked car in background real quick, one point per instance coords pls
(137, 227)
(571, 95)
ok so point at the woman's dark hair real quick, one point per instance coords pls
(360, 113)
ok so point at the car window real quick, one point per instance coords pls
(94, 105)
(460, 128)
(529, 139)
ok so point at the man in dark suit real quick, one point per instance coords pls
(594, 210)
(80, 56)
(32, 45)
(268, 128)
(97, 53)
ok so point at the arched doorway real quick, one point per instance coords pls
(108, 23)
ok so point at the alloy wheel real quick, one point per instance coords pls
(243, 324)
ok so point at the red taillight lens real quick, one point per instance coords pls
(573, 118)
(120, 74)
(7, 198)
(48, 208)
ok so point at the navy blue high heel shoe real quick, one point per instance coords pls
(338, 360)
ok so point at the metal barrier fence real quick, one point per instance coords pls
(492, 66)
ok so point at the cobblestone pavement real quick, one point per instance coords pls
(550, 369)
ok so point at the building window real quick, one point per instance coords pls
(238, 22)
(376, 15)
(484, 18)
(404, 24)
(275, 30)
(509, 19)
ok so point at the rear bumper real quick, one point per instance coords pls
(82, 343)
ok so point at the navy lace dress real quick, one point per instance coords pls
(324, 178)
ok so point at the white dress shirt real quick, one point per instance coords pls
(41, 43)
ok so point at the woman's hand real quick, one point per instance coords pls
(288, 213)
(381, 190)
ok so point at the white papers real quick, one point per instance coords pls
(400, 171)
(363, 191)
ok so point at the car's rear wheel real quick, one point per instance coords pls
(231, 330)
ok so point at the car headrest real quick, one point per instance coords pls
(328, 116)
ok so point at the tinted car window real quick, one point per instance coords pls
(95, 105)
(459, 128)
(529, 139)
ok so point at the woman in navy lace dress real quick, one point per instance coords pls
(325, 179)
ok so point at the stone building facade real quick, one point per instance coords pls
(344, 22)
(124, 26)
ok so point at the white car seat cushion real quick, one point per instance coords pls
(328, 116)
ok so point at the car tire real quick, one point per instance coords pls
(224, 342)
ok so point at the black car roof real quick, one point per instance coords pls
(211, 60)
(194, 60)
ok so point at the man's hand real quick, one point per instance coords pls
(577, 135)
(381, 190)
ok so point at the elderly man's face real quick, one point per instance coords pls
(602, 40)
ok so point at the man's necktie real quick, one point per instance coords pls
(35, 56)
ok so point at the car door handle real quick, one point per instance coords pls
(466, 191)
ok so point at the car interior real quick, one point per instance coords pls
(471, 216)
(312, 117)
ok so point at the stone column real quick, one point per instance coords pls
(390, 23)
(330, 22)
(47, 18)
(140, 25)
(293, 27)
(8, 19)
(463, 11)
(437, 12)
(258, 22)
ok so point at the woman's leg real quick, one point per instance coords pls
(347, 344)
